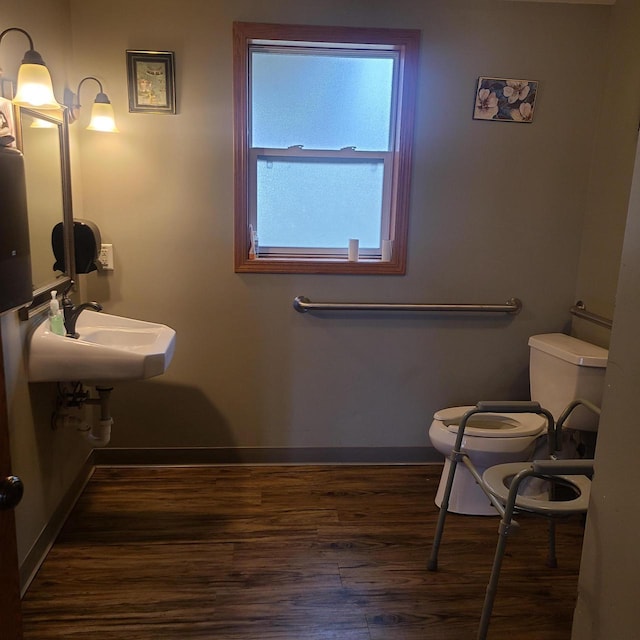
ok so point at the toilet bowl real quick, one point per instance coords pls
(489, 439)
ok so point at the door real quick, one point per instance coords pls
(10, 493)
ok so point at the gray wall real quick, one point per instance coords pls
(496, 212)
(612, 166)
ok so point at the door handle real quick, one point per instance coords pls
(11, 490)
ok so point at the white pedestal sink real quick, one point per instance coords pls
(109, 349)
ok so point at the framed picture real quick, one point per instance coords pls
(151, 76)
(505, 100)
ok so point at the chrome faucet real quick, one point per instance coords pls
(72, 312)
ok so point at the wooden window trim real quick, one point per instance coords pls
(408, 42)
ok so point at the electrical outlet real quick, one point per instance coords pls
(106, 257)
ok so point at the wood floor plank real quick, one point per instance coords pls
(289, 552)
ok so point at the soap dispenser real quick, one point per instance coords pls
(56, 320)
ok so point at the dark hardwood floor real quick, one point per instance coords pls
(290, 553)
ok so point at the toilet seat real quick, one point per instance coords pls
(492, 425)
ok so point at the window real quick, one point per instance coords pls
(323, 132)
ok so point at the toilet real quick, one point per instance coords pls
(561, 369)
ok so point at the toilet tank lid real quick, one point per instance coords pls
(570, 349)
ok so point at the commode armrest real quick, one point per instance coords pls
(506, 406)
(576, 466)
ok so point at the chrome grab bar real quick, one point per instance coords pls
(303, 304)
(580, 311)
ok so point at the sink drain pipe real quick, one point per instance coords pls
(99, 434)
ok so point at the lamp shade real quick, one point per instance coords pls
(34, 87)
(102, 118)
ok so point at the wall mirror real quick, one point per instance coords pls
(42, 136)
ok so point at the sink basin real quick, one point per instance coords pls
(109, 349)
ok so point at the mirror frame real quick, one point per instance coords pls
(42, 295)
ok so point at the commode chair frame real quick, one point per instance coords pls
(501, 483)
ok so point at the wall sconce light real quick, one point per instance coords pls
(34, 81)
(102, 117)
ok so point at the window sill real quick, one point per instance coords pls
(315, 265)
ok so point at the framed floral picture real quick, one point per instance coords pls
(505, 100)
(151, 78)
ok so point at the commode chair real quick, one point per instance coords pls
(567, 494)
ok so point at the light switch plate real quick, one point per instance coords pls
(106, 256)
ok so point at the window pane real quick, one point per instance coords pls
(321, 101)
(319, 203)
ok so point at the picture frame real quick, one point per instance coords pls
(505, 99)
(151, 81)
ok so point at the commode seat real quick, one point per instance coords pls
(498, 481)
(489, 439)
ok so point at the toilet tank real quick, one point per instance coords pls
(562, 369)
